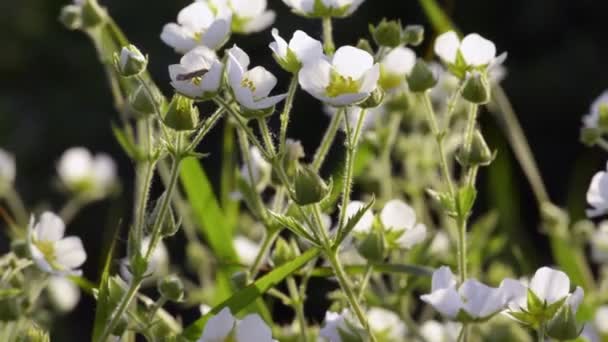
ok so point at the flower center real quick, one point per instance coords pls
(339, 85)
(247, 83)
(47, 249)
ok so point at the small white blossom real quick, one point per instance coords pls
(248, 16)
(474, 300)
(86, 174)
(592, 119)
(338, 324)
(440, 245)
(197, 25)
(199, 74)
(225, 327)
(473, 51)
(251, 87)
(386, 323)
(395, 66)
(51, 251)
(246, 249)
(597, 195)
(301, 49)
(433, 331)
(63, 293)
(324, 8)
(601, 319)
(8, 169)
(348, 78)
(397, 215)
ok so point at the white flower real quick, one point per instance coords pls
(199, 74)
(395, 66)
(386, 323)
(300, 50)
(251, 87)
(336, 325)
(84, 173)
(601, 319)
(324, 8)
(440, 244)
(50, 250)
(397, 215)
(592, 119)
(197, 24)
(349, 78)
(364, 225)
(248, 16)
(599, 244)
(246, 249)
(63, 293)
(225, 327)
(474, 51)
(433, 331)
(8, 169)
(550, 286)
(473, 299)
(597, 195)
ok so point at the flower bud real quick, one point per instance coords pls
(309, 187)
(421, 77)
(373, 246)
(387, 33)
(563, 326)
(374, 99)
(282, 252)
(364, 45)
(92, 14)
(240, 279)
(71, 17)
(479, 153)
(172, 288)
(590, 135)
(144, 103)
(293, 153)
(130, 62)
(476, 88)
(413, 35)
(181, 115)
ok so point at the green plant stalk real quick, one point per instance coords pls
(541, 333)
(244, 147)
(144, 175)
(122, 307)
(269, 238)
(328, 36)
(293, 86)
(327, 140)
(267, 137)
(207, 126)
(351, 153)
(15, 203)
(298, 305)
(385, 157)
(71, 208)
(369, 269)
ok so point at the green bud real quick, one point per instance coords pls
(564, 325)
(172, 288)
(413, 35)
(603, 117)
(34, 333)
(309, 187)
(130, 61)
(293, 153)
(374, 99)
(479, 154)
(476, 89)
(590, 135)
(71, 17)
(181, 115)
(364, 45)
(92, 14)
(20, 248)
(282, 252)
(144, 103)
(373, 246)
(387, 33)
(421, 78)
(240, 279)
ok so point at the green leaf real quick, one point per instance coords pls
(440, 21)
(294, 226)
(352, 222)
(248, 295)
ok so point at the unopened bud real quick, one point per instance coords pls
(387, 33)
(309, 187)
(282, 252)
(373, 246)
(130, 62)
(181, 115)
(421, 77)
(143, 102)
(476, 88)
(374, 99)
(71, 17)
(563, 326)
(413, 35)
(479, 153)
(172, 288)
(364, 45)
(92, 14)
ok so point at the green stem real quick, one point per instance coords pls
(120, 310)
(298, 306)
(351, 153)
(541, 333)
(293, 86)
(267, 137)
(369, 270)
(386, 186)
(327, 141)
(15, 203)
(328, 36)
(71, 208)
(269, 238)
(143, 178)
(207, 126)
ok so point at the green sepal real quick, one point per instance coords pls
(351, 223)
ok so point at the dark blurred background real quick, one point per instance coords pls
(53, 95)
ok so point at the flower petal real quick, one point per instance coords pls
(477, 50)
(447, 301)
(413, 236)
(352, 62)
(398, 215)
(263, 81)
(219, 326)
(442, 279)
(550, 285)
(50, 227)
(480, 300)
(279, 46)
(365, 223)
(307, 49)
(69, 252)
(446, 46)
(253, 328)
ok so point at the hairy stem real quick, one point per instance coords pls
(327, 141)
(293, 86)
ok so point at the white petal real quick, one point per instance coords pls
(307, 49)
(248, 8)
(343, 100)
(104, 170)
(263, 81)
(259, 22)
(599, 102)
(446, 46)
(352, 62)
(369, 82)
(246, 249)
(177, 38)
(75, 165)
(397, 214)
(601, 319)
(69, 252)
(253, 328)
(477, 50)
(597, 195)
(550, 285)
(576, 298)
(365, 223)
(218, 327)
(40, 260)
(400, 61)
(481, 301)
(515, 294)
(8, 168)
(50, 227)
(216, 34)
(63, 293)
(447, 301)
(196, 16)
(442, 278)
(279, 46)
(413, 236)
(386, 322)
(314, 77)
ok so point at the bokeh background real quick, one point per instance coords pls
(53, 96)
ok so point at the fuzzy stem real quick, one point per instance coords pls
(327, 141)
(267, 137)
(293, 86)
(269, 238)
(298, 306)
